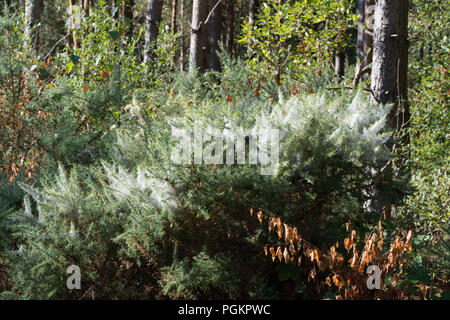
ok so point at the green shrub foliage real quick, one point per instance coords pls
(139, 225)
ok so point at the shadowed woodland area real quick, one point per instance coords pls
(357, 91)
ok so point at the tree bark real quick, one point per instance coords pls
(173, 23)
(252, 10)
(389, 76)
(182, 35)
(197, 35)
(153, 19)
(74, 40)
(173, 29)
(339, 65)
(214, 33)
(229, 40)
(33, 10)
(368, 32)
(365, 39)
(361, 32)
(390, 58)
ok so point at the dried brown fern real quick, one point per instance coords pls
(350, 278)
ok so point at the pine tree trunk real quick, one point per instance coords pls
(74, 40)
(368, 33)
(197, 36)
(152, 21)
(390, 57)
(182, 35)
(389, 76)
(365, 39)
(361, 33)
(252, 8)
(173, 29)
(32, 15)
(339, 65)
(214, 33)
(230, 27)
(403, 67)
(173, 23)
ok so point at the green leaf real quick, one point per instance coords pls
(114, 34)
(70, 66)
(43, 73)
(75, 59)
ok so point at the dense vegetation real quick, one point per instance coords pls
(90, 92)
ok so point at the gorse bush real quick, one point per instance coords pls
(70, 227)
(139, 225)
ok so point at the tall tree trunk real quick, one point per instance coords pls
(74, 40)
(361, 32)
(173, 23)
(339, 65)
(197, 35)
(127, 16)
(252, 9)
(214, 33)
(182, 35)
(153, 19)
(173, 29)
(242, 9)
(33, 10)
(369, 16)
(230, 27)
(365, 39)
(389, 76)
(390, 57)
(403, 63)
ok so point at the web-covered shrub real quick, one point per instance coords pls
(69, 222)
(139, 225)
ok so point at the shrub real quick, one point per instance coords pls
(153, 228)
